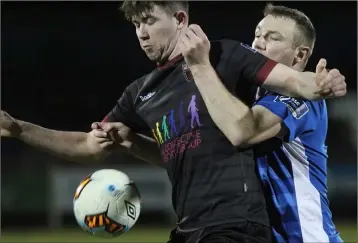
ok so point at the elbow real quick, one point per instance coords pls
(246, 129)
(240, 141)
(240, 138)
(237, 141)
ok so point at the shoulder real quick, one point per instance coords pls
(133, 88)
(222, 50)
(223, 46)
(229, 45)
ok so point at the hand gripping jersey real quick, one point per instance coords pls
(213, 181)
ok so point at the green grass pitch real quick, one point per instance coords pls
(137, 234)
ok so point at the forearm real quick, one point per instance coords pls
(145, 149)
(288, 82)
(232, 116)
(71, 146)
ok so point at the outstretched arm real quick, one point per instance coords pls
(72, 146)
(140, 146)
(308, 85)
(273, 116)
(239, 123)
(244, 63)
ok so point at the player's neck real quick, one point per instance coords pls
(172, 57)
(176, 52)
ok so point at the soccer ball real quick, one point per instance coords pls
(106, 203)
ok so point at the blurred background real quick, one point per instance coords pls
(65, 64)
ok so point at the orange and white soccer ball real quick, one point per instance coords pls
(107, 203)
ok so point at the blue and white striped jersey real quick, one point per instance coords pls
(293, 172)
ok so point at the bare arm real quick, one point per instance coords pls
(140, 146)
(289, 82)
(240, 124)
(268, 126)
(145, 148)
(72, 146)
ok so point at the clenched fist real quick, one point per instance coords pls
(110, 134)
(331, 83)
(195, 46)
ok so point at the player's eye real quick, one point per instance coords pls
(275, 38)
(150, 21)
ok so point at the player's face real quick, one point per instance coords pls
(274, 38)
(157, 32)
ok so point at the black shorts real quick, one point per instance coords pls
(226, 233)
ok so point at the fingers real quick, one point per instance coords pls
(109, 131)
(99, 134)
(196, 29)
(106, 144)
(333, 85)
(333, 78)
(109, 126)
(193, 38)
(340, 88)
(4, 133)
(96, 125)
(321, 66)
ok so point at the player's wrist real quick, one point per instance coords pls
(200, 68)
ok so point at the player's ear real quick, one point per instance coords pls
(302, 54)
(182, 19)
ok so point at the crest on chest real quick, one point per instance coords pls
(187, 73)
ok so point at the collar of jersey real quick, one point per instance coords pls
(171, 62)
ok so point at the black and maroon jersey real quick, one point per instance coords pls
(213, 181)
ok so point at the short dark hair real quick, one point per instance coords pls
(307, 32)
(136, 8)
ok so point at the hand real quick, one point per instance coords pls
(9, 127)
(331, 83)
(195, 46)
(112, 134)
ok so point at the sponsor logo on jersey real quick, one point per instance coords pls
(187, 73)
(147, 97)
(298, 108)
(175, 133)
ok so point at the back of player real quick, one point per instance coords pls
(294, 172)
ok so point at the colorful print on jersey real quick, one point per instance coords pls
(165, 128)
(155, 136)
(194, 112)
(159, 134)
(173, 129)
(179, 130)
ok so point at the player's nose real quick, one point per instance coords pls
(258, 45)
(142, 33)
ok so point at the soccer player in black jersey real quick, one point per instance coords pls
(216, 193)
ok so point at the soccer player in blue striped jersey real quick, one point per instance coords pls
(293, 167)
(291, 155)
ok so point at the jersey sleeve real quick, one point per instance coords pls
(124, 112)
(299, 116)
(252, 66)
(240, 63)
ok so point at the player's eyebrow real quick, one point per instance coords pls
(274, 32)
(269, 32)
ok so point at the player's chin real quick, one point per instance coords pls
(153, 56)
